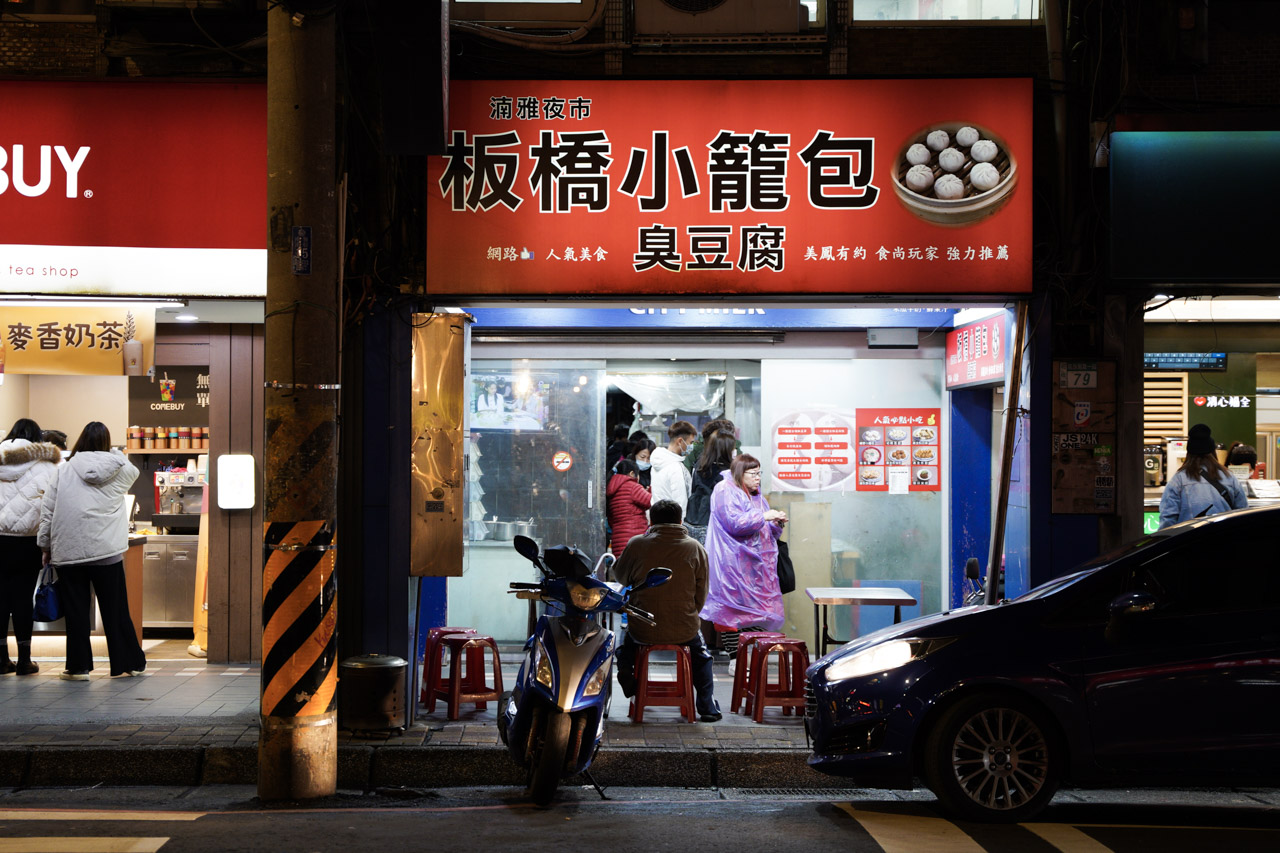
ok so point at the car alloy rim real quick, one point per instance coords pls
(1000, 758)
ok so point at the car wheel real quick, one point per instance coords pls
(992, 757)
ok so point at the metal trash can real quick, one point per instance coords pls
(371, 693)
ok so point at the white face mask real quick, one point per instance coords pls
(643, 465)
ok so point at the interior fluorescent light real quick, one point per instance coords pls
(186, 318)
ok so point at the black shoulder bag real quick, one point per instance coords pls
(786, 571)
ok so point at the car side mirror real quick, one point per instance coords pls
(656, 577)
(1132, 603)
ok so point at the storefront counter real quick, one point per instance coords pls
(133, 580)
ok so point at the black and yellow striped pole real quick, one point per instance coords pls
(298, 743)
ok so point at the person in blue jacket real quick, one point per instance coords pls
(1201, 486)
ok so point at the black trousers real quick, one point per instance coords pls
(19, 568)
(113, 604)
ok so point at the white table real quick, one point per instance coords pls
(824, 596)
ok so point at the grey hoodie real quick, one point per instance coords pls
(26, 469)
(82, 518)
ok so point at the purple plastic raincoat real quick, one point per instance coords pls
(743, 551)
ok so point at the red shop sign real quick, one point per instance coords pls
(760, 186)
(976, 353)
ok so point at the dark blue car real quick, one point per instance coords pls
(1156, 664)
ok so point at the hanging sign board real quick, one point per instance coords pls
(77, 341)
(138, 188)
(732, 187)
(976, 353)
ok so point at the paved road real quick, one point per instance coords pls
(229, 818)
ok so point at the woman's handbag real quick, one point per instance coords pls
(46, 606)
(786, 571)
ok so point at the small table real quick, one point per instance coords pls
(822, 596)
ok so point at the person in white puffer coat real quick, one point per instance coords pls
(84, 533)
(27, 466)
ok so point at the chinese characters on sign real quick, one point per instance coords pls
(873, 450)
(72, 340)
(1083, 437)
(898, 450)
(635, 186)
(976, 353)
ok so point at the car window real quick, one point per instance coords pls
(1214, 574)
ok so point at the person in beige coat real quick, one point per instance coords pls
(27, 467)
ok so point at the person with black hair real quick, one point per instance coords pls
(1244, 454)
(617, 448)
(641, 453)
(27, 467)
(674, 605)
(625, 504)
(84, 533)
(717, 456)
(1201, 486)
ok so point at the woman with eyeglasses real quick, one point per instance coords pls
(742, 548)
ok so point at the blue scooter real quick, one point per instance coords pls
(553, 719)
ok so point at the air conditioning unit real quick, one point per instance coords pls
(719, 17)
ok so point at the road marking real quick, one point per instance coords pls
(69, 814)
(908, 833)
(71, 844)
(1068, 839)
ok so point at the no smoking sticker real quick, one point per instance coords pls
(562, 461)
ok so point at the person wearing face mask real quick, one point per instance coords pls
(672, 481)
(641, 453)
(625, 504)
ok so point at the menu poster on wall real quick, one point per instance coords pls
(894, 442)
(975, 353)
(813, 451)
(1084, 475)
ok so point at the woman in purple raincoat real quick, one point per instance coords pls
(742, 547)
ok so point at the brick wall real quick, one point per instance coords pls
(29, 49)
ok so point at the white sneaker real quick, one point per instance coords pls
(74, 676)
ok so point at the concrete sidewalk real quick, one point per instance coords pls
(185, 722)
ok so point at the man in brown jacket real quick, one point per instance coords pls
(675, 605)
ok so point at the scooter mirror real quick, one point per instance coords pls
(656, 577)
(527, 547)
(971, 569)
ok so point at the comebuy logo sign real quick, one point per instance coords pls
(14, 170)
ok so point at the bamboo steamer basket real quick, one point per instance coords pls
(976, 204)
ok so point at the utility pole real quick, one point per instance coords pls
(298, 744)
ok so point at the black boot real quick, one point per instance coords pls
(26, 666)
(6, 665)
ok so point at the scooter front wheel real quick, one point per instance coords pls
(549, 757)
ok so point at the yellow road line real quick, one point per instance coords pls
(70, 814)
(1068, 839)
(71, 844)
(897, 833)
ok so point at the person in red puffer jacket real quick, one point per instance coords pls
(625, 504)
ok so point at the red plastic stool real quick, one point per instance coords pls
(742, 671)
(433, 664)
(788, 691)
(466, 651)
(678, 693)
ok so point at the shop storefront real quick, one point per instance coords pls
(785, 264)
(131, 276)
(1210, 325)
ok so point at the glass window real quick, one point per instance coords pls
(839, 533)
(535, 467)
(946, 10)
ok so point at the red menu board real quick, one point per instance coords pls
(975, 353)
(898, 442)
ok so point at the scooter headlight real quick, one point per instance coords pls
(596, 684)
(586, 597)
(542, 667)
